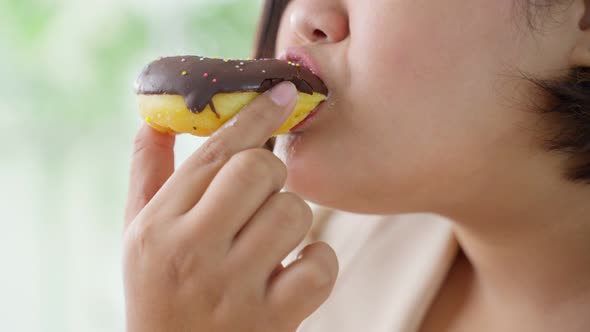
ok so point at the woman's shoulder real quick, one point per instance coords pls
(398, 261)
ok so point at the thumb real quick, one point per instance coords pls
(151, 166)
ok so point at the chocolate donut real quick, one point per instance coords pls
(196, 95)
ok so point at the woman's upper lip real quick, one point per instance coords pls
(302, 56)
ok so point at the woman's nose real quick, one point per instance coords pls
(319, 21)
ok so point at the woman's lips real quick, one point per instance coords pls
(303, 57)
(308, 119)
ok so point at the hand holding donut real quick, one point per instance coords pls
(203, 245)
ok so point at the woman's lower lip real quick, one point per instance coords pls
(307, 119)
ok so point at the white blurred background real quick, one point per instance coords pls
(67, 120)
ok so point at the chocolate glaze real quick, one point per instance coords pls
(198, 79)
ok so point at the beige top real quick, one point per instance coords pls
(391, 268)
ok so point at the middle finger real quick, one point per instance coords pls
(239, 189)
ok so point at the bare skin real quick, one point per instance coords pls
(192, 264)
(427, 113)
(426, 97)
(465, 303)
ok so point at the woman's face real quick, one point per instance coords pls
(427, 111)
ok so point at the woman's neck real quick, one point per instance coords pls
(532, 253)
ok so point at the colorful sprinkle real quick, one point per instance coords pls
(241, 69)
(201, 59)
(237, 66)
(148, 119)
(242, 63)
(214, 80)
(297, 65)
(184, 73)
(264, 71)
(206, 75)
(225, 60)
(182, 60)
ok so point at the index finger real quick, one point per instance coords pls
(248, 129)
(253, 125)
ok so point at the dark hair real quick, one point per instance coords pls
(567, 101)
(268, 28)
(568, 96)
(568, 111)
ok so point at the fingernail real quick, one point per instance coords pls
(283, 93)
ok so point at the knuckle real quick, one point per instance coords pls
(143, 143)
(145, 246)
(261, 109)
(139, 250)
(279, 169)
(180, 264)
(319, 274)
(247, 170)
(214, 151)
(275, 168)
(256, 166)
(140, 143)
(139, 237)
(292, 212)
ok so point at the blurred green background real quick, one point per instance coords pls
(67, 118)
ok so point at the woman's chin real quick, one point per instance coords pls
(314, 177)
(304, 171)
(310, 173)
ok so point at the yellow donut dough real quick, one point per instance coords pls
(169, 113)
